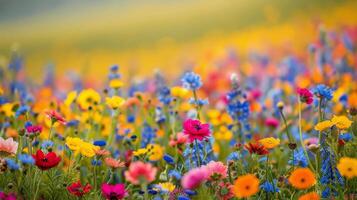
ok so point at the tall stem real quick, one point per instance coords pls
(301, 140)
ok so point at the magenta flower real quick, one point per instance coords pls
(34, 130)
(305, 95)
(10, 196)
(113, 192)
(193, 178)
(272, 122)
(195, 130)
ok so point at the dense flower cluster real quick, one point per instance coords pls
(197, 136)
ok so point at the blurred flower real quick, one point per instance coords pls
(305, 95)
(77, 189)
(12, 164)
(195, 130)
(74, 143)
(88, 98)
(155, 152)
(179, 92)
(348, 167)
(46, 161)
(113, 163)
(270, 142)
(71, 97)
(341, 122)
(181, 138)
(322, 91)
(99, 143)
(55, 117)
(256, 149)
(88, 149)
(33, 130)
(9, 196)
(168, 187)
(345, 137)
(26, 159)
(193, 178)
(302, 178)
(191, 81)
(272, 122)
(139, 171)
(114, 192)
(216, 170)
(116, 84)
(114, 102)
(102, 152)
(310, 196)
(8, 146)
(223, 134)
(169, 159)
(270, 187)
(246, 186)
(321, 126)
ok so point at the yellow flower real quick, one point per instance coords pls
(223, 134)
(321, 126)
(139, 152)
(8, 109)
(1, 91)
(116, 84)
(269, 142)
(114, 102)
(347, 167)
(341, 122)
(179, 92)
(70, 98)
(88, 149)
(88, 98)
(155, 152)
(74, 144)
(169, 187)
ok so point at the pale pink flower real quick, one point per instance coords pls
(111, 162)
(193, 178)
(180, 139)
(8, 146)
(140, 171)
(217, 168)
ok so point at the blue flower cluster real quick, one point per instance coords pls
(299, 158)
(323, 91)
(270, 187)
(201, 153)
(191, 81)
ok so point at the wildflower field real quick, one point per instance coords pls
(275, 125)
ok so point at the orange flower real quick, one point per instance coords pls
(246, 186)
(302, 178)
(310, 196)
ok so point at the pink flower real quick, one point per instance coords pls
(272, 122)
(193, 178)
(111, 162)
(55, 116)
(195, 130)
(8, 146)
(140, 171)
(10, 196)
(180, 139)
(34, 130)
(113, 192)
(312, 143)
(217, 168)
(305, 95)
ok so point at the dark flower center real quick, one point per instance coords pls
(197, 127)
(302, 180)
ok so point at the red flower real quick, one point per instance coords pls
(47, 161)
(195, 130)
(256, 149)
(55, 117)
(78, 189)
(305, 95)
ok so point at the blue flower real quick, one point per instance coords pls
(198, 102)
(26, 159)
(22, 110)
(269, 187)
(100, 143)
(12, 164)
(175, 174)
(72, 123)
(198, 154)
(181, 197)
(234, 156)
(345, 137)
(299, 158)
(238, 110)
(114, 68)
(147, 135)
(96, 162)
(27, 124)
(164, 95)
(190, 192)
(169, 159)
(191, 81)
(47, 144)
(159, 115)
(323, 91)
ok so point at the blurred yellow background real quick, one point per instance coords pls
(89, 36)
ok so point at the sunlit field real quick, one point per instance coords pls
(167, 100)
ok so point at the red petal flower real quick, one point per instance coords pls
(305, 95)
(47, 161)
(78, 189)
(55, 116)
(256, 149)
